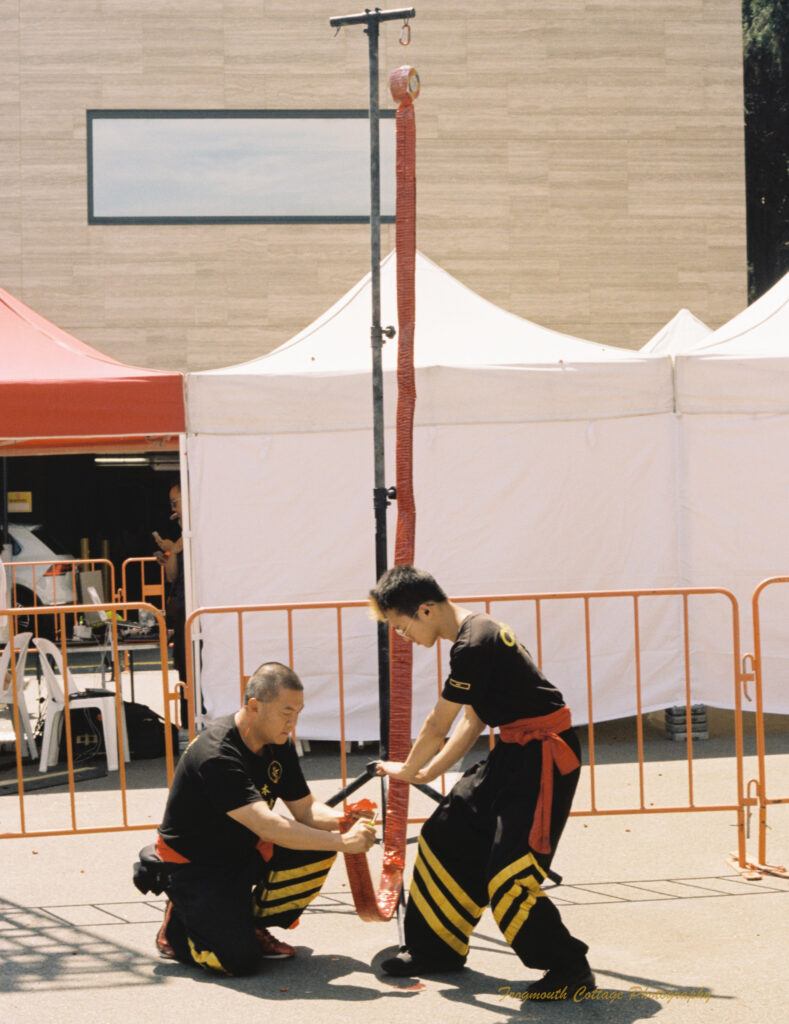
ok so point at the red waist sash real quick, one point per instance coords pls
(556, 752)
(167, 853)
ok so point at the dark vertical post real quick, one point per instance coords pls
(381, 494)
(380, 498)
(4, 519)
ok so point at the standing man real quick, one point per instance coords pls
(171, 557)
(233, 864)
(492, 838)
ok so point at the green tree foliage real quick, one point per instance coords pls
(766, 70)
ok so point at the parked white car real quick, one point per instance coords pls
(52, 582)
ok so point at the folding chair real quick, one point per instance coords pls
(104, 619)
(19, 647)
(102, 700)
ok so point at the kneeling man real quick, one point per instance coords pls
(234, 866)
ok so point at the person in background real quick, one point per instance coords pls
(171, 557)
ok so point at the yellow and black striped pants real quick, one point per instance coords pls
(216, 910)
(474, 851)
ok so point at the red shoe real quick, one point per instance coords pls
(164, 947)
(272, 948)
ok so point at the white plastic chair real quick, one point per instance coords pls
(20, 648)
(108, 650)
(102, 700)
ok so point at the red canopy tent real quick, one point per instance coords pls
(58, 394)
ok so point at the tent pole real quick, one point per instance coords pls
(381, 494)
(4, 534)
(189, 580)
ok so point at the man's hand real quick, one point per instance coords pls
(398, 770)
(359, 838)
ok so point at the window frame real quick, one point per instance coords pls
(93, 115)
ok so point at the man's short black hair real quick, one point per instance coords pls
(271, 678)
(403, 588)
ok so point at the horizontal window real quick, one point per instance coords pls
(235, 166)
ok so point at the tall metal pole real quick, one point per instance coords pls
(4, 497)
(380, 497)
(381, 494)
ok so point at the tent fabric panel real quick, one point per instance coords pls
(454, 327)
(758, 329)
(500, 509)
(88, 408)
(33, 345)
(119, 443)
(734, 492)
(732, 384)
(683, 333)
(54, 385)
(261, 404)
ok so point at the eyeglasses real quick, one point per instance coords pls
(403, 630)
(174, 502)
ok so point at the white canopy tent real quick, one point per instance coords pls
(732, 395)
(682, 333)
(542, 463)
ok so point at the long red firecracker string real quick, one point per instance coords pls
(404, 85)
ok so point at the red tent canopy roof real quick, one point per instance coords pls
(55, 389)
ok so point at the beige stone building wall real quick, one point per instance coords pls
(580, 163)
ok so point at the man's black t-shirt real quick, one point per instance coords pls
(218, 773)
(490, 669)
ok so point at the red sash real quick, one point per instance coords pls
(167, 853)
(555, 751)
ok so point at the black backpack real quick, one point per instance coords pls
(146, 731)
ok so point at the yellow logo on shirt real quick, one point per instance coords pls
(275, 771)
(507, 634)
(458, 684)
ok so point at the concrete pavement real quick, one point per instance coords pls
(675, 933)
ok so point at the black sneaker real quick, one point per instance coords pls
(407, 965)
(564, 982)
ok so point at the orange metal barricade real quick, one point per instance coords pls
(66, 613)
(635, 599)
(760, 784)
(152, 586)
(239, 611)
(62, 567)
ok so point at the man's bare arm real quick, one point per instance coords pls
(460, 742)
(313, 813)
(428, 743)
(294, 835)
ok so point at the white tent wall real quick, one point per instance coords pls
(732, 395)
(734, 496)
(501, 508)
(543, 463)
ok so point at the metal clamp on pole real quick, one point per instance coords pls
(383, 497)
